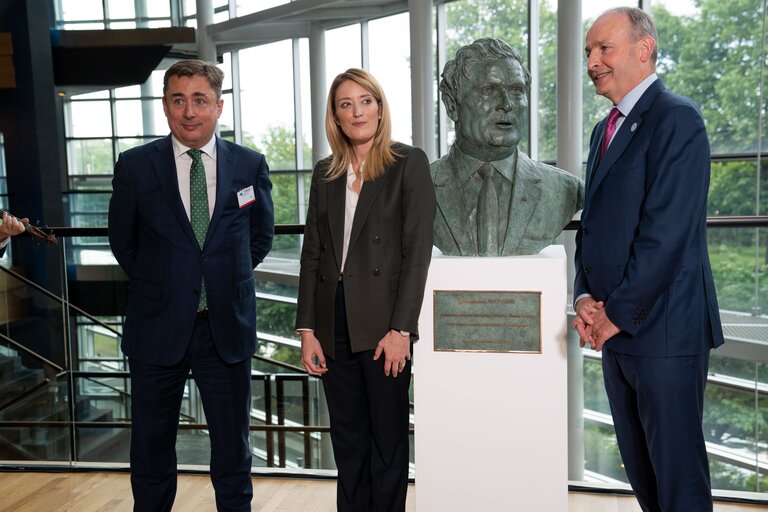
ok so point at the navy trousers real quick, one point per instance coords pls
(657, 406)
(156, 395)
(369, 425)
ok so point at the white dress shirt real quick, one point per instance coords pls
(183, 165)
(350, 206)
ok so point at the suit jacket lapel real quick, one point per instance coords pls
(368, 195)
(164, 166)
(448, 191)
(225, 169)
(623, 136)
(336, 199)
(526, 192)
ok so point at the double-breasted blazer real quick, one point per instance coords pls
(151, 236)
(388, 256)
(642, 244)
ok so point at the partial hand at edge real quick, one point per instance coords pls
(311, 351)
(11, 226)
(396, 349)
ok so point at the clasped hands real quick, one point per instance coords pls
(592, 324)
(395, 347)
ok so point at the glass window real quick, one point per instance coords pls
(128, 118)
(122, 25)
(390, 64)
(96, 95)
(306, 105)
(90, 156)
(131, 91)
(711, 51)
(244, 7)
(267, 104)
(81, 10)
(547, 108)
(342, 51)
(467, 21)
(120, 9)
(90, 119)
(157, 9)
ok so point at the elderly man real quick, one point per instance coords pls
(492, 199)
(644, 290)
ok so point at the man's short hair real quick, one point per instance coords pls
(456, 71)
(193, 67)
(642, 25)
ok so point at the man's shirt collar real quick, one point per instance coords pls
(629, 101)
(179, 149)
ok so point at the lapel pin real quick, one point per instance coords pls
(633, 127)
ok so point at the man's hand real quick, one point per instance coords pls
(396, 349)
(585, 311)
(602, 329)
(11, 226)
(312, 356)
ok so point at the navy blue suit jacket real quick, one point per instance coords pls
(642, 244)
(152, 239)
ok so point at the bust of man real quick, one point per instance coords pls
(492, 199)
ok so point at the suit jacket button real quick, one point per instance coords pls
(322, 246)
(376, 272)
(377, 240)
(322, 277)
(587, 269)
(585, 231)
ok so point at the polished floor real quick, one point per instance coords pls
(110, 492)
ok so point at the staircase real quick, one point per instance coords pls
(29, 395)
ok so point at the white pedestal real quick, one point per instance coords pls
(491, 428)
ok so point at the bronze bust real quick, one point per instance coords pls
(492, 199)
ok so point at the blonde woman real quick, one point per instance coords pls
(367, 248)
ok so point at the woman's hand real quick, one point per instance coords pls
(312, 356)
(396, 348)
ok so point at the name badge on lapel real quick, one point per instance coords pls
(245, 196)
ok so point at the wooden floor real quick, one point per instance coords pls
(111, 492)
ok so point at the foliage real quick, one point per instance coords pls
(714, 57)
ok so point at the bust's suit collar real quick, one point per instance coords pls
(597, 170)
(525, 196)
(450, 177)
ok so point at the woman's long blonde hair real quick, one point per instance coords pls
(381, 154)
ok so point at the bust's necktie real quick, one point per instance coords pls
(610, 127)
(198, 208)
(487, 214)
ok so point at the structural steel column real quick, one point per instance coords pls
(206, 48)
(422, 79)
(318, 92)
(569, 157)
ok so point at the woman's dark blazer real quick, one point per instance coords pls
(390, 248)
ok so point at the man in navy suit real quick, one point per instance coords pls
(644, 289)
(191, 304)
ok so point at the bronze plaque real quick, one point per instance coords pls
(487, 321)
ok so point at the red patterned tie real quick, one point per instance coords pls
(610, 127)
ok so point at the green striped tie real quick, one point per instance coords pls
(198, 208)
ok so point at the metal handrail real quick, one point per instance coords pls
(732, 221)
(299, 375)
